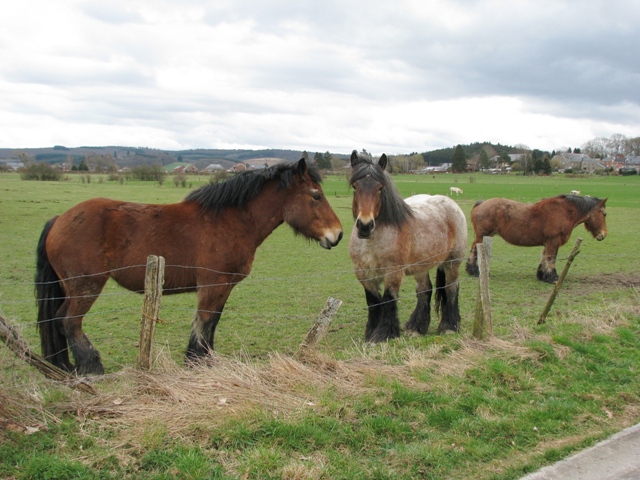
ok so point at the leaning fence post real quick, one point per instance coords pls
(319, 329)
(153, 281)
(483, 322)
(558, 284)
(11, 337)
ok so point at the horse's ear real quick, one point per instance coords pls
(354, 158)
(302, 167)
(383, 161)
(603, 202)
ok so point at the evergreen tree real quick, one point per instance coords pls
(324, 162)
(459, 160)
(483, 161)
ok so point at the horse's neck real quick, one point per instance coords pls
(576, 217)
(263, 214)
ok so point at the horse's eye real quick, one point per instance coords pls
(316, 196)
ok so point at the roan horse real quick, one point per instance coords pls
(208, 241)
(548, 222)
(395, 237)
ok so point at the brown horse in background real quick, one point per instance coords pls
(548, 222)
(395, 237)
(208, 241)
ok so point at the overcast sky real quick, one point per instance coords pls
(334, 75)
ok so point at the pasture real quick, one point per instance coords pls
(433, 406)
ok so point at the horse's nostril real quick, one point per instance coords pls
(339, 237)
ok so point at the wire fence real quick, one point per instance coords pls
(117, 304)
(343, 282)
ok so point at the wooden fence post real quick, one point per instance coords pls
(558, 284)
(319, 329)
(153, 282)
(483, 322)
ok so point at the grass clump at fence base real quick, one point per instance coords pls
(456, 408)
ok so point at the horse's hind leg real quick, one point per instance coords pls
(421, 316)
(447, 289)
(76, 306)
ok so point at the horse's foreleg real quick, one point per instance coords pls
(472, 262)
(547, 267)
(421, 316)
(203, 330)
(374, 306)
(389, 325)
(210, 305)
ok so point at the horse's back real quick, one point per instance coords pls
(439, 221)
(104, 235)
(520, 224)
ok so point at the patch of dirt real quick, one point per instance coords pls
(604, 282)
(622, 279)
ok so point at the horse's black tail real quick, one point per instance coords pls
(49, 298)
(476, 204)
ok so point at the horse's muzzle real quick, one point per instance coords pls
(330, 240)
(365, 228)
(601, 236)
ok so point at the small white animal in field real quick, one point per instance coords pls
(455, 190)
(575, 192)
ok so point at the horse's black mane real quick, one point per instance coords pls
(393, 210)
(246, 185)
(585, 205)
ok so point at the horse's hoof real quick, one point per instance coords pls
(448, 329)
(86, 370)
(384, 335)
(472, 269)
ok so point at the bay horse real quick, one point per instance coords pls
(395, 237)
(548, 222)
(208, 241)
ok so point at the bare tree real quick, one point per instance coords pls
(617, 144)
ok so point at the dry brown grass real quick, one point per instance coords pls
(172, 400)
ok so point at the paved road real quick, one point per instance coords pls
(616, 458)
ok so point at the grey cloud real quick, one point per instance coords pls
(111, 13)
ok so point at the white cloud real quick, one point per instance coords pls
(389, 76)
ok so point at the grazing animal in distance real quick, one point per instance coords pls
(208, 241)
(455, 190)
(393, 238)
(575, 192)
(548, 222)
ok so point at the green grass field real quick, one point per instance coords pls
(456, 409)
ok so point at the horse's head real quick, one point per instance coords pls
(368, 181)
(596, 222)
(309, 212)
